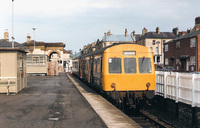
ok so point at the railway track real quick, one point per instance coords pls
(143, 118)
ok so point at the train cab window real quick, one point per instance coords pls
(130, 65)
(145, 65)
(114, 65)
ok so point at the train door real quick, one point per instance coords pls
(91, 70)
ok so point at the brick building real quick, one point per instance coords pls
(183, 53)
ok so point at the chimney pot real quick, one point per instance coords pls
(144, 31)
(28, 38)
(6, 35)
(158, 30)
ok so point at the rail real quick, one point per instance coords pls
(181, 87)
(7, 82)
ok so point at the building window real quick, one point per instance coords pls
(151, 48)
(177, 68)
(104, 45)
(166, 61)
(35, 59)
(192, 42)
(177, 62)
(192, 60)
(157, 50)
(178, 45)
(154, 42)
(166, 47)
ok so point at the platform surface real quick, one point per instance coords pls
(112, 116)
(48, 102)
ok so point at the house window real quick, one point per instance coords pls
(154, 42)
(166, 61)
(177, 62)
(166, 47)
(192, 60)
(178, 45)
(104, 45)
(192, 42)
(157, 50)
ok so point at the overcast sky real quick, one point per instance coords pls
(80, 22)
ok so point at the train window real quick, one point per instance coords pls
(98, 66)
(145, 65)
(114, 65)
(130, 65)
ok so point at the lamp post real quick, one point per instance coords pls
(13, 24)
(34, 36)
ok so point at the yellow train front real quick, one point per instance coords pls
(122, 71)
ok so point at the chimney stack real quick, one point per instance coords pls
(158, 30)
(197, 23)
(175, 31)
(6, 35)
(109, 33)
(126, 32)
(144, 31)
(28, 38)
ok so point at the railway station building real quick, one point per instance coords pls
(183, 53)
(13, 76)
(47, 58)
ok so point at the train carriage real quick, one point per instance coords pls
(122, 70)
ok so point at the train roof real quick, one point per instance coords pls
(100, 51)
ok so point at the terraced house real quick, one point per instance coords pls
(155, 41)
(183, 53)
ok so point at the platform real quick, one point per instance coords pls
(111, 116)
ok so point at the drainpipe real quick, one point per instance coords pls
(197, 53)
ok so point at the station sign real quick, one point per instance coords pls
(129, 53)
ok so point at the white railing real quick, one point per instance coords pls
(7, 82)
(181, 87)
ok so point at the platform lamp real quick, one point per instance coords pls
(13, 24)
(34, 36)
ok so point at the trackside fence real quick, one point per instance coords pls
(181, 87)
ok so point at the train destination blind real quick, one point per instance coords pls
(130, 53)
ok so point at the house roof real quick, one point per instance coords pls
(162, 35)
(120, 38)
(40, 43)
(188, 35)
(7, 44)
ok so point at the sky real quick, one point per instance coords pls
(80, 22)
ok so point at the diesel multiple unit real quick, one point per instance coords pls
(123, 71)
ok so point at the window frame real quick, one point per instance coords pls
(192, 42)
(109, 71)
(166, 48)
(150, 62)
(134, 67)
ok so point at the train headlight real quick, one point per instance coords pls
(113, 85)
(148, 85)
